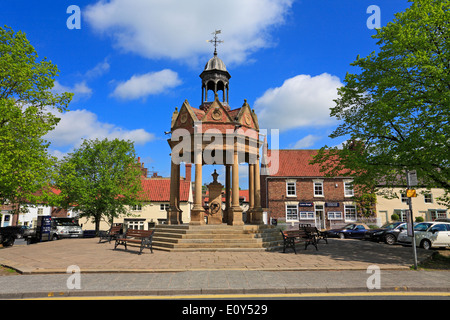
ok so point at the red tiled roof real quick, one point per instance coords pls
(295, 163)
(159, 190)
(243, 194)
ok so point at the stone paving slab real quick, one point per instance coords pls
(93, 257)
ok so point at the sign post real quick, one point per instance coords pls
(411, 180)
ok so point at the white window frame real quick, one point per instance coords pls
(289, 216)
(334, 215)
(401, 214)
(291, 183)
(307, 215)
(349, 216)
(164, 206)
(318, 182)
(348, 188)
(438, 214)
(131, 224)
(428, 196)
(137, 207)
(403, 198)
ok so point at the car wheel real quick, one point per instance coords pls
(426, 244)
(9, 242)
(390, 239)
(55, 237)
(341, 236)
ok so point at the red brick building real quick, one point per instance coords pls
(297, 192)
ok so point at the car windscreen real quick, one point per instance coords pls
(422, 226)
(65, 223)
(389, 226)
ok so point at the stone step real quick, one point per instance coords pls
(216, 238)
(214, 245)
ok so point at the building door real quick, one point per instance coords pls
(320, 219)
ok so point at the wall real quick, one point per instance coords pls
(333, 200)
(150, 213)
(386, 207)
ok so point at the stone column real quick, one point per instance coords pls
(257, 213)
(251, 191)
(173, 211)
(235, 218)
(197, 212)
(227, 192)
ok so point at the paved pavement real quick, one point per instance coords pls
(228, 282)
(340, 266)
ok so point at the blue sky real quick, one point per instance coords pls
(133, 61)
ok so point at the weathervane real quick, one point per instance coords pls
(216, 40)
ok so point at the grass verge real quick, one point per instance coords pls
(438, 261)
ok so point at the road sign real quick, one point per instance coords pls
(411, 178)
(411, 193)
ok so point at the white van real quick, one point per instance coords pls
(429, 235)
(65, 228)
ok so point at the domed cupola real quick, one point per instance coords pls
(215, 76)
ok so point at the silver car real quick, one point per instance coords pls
(429, 235)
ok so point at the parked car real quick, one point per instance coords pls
(352, 230)
(428, 235)
(8, 235)
(23, 231)
(387, 233)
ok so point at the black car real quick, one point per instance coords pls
(352, 230)
(387, 233)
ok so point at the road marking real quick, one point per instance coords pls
(253, 296)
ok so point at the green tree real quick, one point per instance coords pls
(396, 110)
(100, 179)
(25, 101)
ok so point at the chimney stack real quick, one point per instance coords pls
(188, 167)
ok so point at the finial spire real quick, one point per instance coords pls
(215, 41)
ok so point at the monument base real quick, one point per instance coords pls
(197, 216)
(174, 216)
(235, 216)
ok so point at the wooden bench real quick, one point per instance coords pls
(142, 237)
(292, 237)
(112, 233)
(320, 235)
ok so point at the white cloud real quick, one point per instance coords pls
(302, 101)
(141, 86)
(100, 69)
(177, 29)
(80, 89)
(306, 142)
(82, 124)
